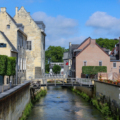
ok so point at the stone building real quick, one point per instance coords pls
(35, 54)
(13, 43)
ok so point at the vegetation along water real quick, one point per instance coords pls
(63, 104)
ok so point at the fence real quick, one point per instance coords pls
(110, 76)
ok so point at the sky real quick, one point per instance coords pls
(72, 20)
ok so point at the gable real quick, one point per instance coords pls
(6, 42)
(84, 43)
(22, 13)
(93, 52)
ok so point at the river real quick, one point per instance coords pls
(62, 104)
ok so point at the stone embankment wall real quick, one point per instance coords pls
(108, 93)
(14, 101)
(88, 91)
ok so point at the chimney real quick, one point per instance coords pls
(119, 48)
(93, 41)
(16, 10)
(69, 49)
(3, 9)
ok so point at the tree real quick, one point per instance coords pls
(54, 54)
(106, 43)
(47, 68)
(56, 69)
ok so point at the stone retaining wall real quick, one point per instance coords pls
(14, 101)
(108, 93)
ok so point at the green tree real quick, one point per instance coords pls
(106, 43)
(56, 69)
(47, 68)
(54, 54)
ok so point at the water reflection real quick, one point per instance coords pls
(62, 104)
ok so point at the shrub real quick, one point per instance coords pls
(56, 69)
(92, 70)
(3, 64)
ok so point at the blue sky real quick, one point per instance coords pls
(72, 20)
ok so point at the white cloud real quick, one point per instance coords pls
(60, 30)
(65, 42)
(104, 24)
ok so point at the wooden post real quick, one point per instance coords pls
(46, 82)
(55, 82)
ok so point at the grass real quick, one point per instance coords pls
(29, 106)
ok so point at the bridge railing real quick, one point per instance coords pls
(54, 76)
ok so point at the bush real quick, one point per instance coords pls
(56, 69)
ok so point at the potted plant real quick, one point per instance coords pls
(115, 82)
(108, 81)
(118, 82)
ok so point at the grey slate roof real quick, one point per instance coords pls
(74, 46)
(40, 22)
(13, 48)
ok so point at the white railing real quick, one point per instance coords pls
(68, 81)
(54, 76)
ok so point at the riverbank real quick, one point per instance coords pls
(29, 106)
(104, 108)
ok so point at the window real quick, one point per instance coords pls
(2, 45)
(100, 63)
(114, 65)
(85, 63)
(8, 26)
(29, 45)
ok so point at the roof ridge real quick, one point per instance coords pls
(9, 42)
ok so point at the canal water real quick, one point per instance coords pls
(62, 104)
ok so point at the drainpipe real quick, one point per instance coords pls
(16, 68)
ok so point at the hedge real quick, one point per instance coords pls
(7, 65)
(3, 64)
(92, 70)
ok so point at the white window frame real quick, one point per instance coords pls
(113, 65)
(26, 45)
(99, 63)
(84, 62)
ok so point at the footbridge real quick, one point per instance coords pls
(61, 81)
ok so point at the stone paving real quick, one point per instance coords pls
(6, 87)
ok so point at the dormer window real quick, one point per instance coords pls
(8, 26)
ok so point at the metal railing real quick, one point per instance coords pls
(54, 76)
(64, 81)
